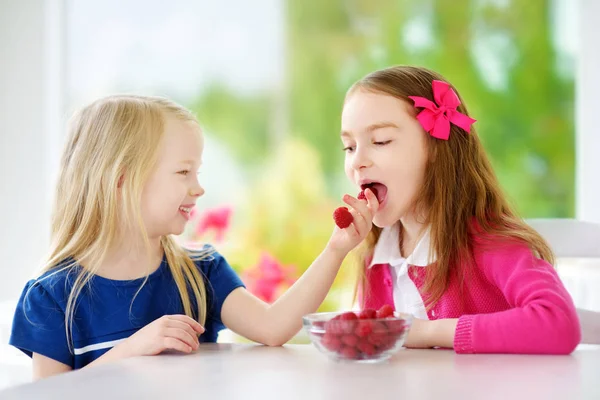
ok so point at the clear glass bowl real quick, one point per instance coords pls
(357, 340)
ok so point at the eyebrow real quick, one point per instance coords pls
(191, 162)
(373, 128)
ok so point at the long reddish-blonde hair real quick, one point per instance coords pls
(460, 190)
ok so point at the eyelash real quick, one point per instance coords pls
(349, 149)
(184, 172)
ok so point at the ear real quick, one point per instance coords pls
(120, 182)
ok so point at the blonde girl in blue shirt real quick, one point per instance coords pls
(116, 284)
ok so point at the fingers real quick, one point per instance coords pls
(195, 325)
(183, 336)
(361, 225)
(182, 325)
(358, 205)
(372, 201)
(353, 230)
(361, 213)
(175, 344)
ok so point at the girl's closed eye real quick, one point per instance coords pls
(382, 143)
(184, 172)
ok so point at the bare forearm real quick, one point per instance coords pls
(275, 324)
(118, 352)
(428, 334)
(442, 332)
(305, 296)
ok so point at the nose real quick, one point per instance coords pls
(361, 159)
(196, 190)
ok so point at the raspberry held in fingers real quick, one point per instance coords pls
(342, 217)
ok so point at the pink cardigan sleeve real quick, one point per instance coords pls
(542, 320)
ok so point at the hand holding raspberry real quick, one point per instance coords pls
(353, 222)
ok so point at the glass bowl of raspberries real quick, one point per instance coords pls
(368, 336)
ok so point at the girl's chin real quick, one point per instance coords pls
(383, 221)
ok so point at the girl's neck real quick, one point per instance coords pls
(128, 260)
(412, 231)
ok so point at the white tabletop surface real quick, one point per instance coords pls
(234, 371)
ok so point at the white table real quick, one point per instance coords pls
(230, 371)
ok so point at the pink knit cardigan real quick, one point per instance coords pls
(511, 302)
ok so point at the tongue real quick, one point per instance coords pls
(380, 191)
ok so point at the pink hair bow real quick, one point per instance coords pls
(436, 117)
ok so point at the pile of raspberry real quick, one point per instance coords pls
(364, 335)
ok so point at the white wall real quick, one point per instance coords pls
(30, 105)
(588, 113)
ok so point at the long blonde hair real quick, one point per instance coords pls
(461, 195)
(112, 143)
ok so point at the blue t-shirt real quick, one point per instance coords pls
(105, 314)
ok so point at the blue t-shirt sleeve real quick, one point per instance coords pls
(221, 281)
(39, 325)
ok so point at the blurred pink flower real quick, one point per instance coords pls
(269, 278)
(216, 219)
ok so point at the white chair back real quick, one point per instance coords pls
(569, 238)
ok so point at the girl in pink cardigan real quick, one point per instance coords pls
(446, 246)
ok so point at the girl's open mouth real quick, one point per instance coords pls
(378, 189)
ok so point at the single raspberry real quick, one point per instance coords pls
(331, 342)
(349, 353)
(378, 339)
(342, 324)
(388, 343)
(348, 322)
(385, 311)
(366, 348)
(348, 316)
(363, 328)
(379, 334)
(335, 327)
(342, 217)
(367, 313)
(350, 340)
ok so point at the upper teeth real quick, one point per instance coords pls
(185, 209)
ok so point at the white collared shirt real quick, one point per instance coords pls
(407, 298)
